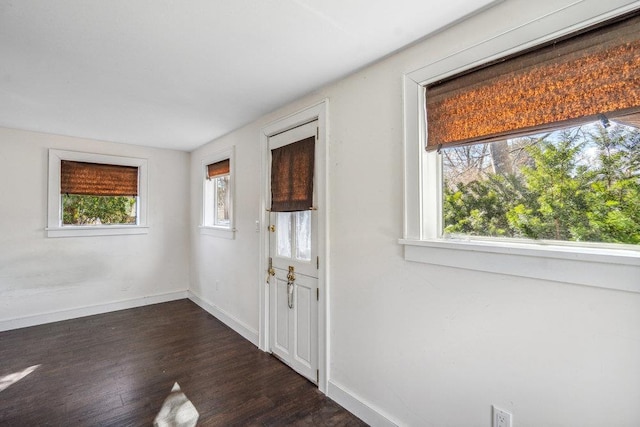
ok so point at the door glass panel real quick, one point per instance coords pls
(283, 234)
(303, 235)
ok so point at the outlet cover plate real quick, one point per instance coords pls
(501, 418)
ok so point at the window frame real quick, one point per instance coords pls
(224, 231)
(590, 265)
(54, 207)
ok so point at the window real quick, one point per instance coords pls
(292, 190)
(482, 197)
(577, 184)
(217, 206)
(560, 171)
(95, 194)
(217, 209)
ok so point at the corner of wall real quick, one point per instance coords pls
(237, 325)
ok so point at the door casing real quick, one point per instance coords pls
(317, 112)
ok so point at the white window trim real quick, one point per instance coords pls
(54, 209)
(226, 232)
(599, 266)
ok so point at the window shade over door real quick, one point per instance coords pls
(576, 79)
(97, 179)
(292, 176)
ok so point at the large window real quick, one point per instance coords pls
(95, 194)
(522, 153)
(528, 144)
(577, 184)
(217, 199)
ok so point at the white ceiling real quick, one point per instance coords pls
(179, 73)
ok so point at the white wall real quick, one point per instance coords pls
(44, 279)
(425, 345)
(224, 275)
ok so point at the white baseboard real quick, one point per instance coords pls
(357, 406)
(56, 316)
(237, 325)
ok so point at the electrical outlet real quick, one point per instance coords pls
(217, 285)
(501, 418)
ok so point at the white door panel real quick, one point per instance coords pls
(305, 314)
(281, 327)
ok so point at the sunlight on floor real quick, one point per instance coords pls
(6, 381)
(177, 410)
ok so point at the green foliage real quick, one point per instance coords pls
(479, 208)
(93, 210)
(575, 186)
(560, 195)
(614, 197)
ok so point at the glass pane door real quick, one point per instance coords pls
(303, 235)
(283, 234)
(293, 235)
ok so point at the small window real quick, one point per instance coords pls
(293, 235)
(217, 201)
(217, 210)
(94, 194)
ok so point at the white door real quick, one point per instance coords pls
(293, 284)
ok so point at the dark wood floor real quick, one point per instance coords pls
(116, 369)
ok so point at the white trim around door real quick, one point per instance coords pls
(317, 112)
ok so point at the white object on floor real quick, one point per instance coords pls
(176, 411)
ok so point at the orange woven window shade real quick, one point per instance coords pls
(218, 169)
(292, 176)
(97, 179)
(566, 82)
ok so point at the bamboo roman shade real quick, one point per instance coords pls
(97, 179)
(573, 80)
(292, 176)
(218, 169)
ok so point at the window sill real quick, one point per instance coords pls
(223, 232)
(590, 266)
(114, 230)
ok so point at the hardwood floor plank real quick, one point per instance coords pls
(116, 369)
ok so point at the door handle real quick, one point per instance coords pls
(270, 271)
(291, 278)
